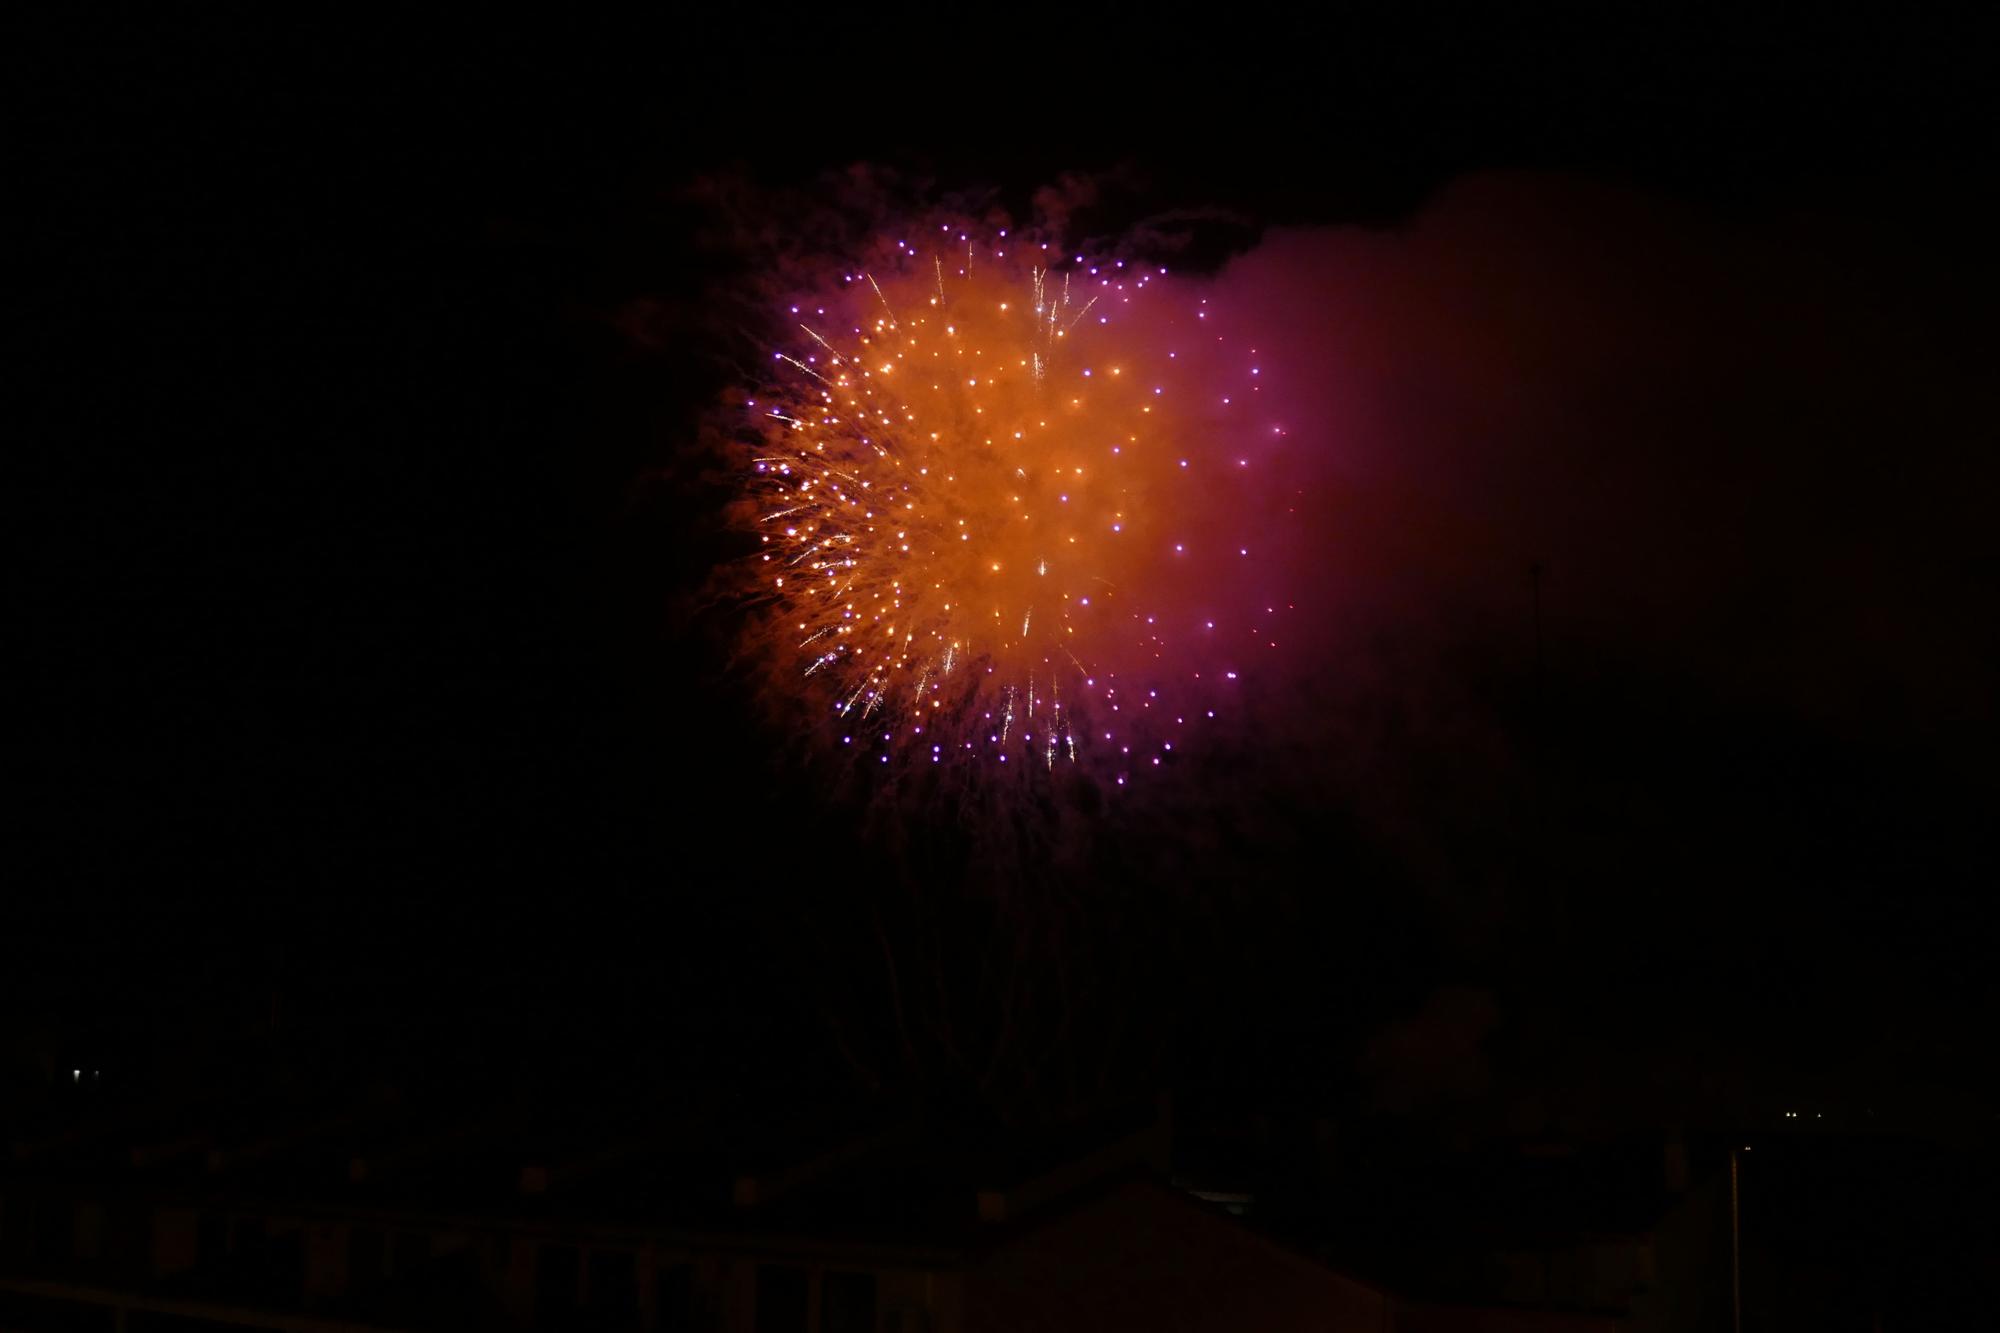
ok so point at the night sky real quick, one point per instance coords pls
(364, 656)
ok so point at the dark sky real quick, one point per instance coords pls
(362, 534)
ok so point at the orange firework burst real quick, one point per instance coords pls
(1014, 508)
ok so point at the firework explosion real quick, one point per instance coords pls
(1014, 509)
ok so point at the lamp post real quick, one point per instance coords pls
(1735, 1243)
